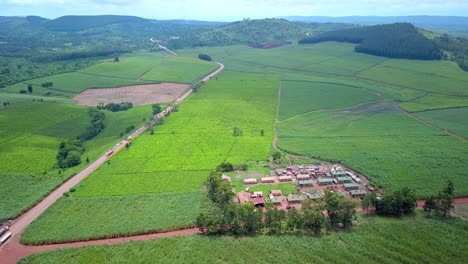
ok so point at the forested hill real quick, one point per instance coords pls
(254, 31)
(399, 40)
(77, 23)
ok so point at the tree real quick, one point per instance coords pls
(204, 57)
(225, 167)
(276, 156)
(152, 131)
(347, 212)
(236, 132)
(262, 132)
(446, 199)
(30, 88)
(295, 219)
(429, 205)
(274, 220)
(366, 203)
(252, 218)
(156, 109)
(313, 218)
(87, 160)
(116, 59)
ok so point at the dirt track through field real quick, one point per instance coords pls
(431, 125)
(136, 94)
(13, 250)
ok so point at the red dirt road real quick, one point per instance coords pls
(13, 250)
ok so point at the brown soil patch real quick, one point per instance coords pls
(137, 94)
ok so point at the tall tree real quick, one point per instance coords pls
(30, 88)
(446, 199)
(429, 205)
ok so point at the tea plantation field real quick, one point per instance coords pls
(30, 135)
(174, 162)
(416, 240)
(131, 70)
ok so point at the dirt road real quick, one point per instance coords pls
(13, 247)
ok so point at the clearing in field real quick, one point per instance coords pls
(136, 94)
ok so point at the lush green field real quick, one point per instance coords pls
(286, 188)
(73, 219)
(131, 70)
(300, 97)
(454, 120)
(418, 240)
(376, 139)
(180, 69)
(173, 161)
(434, 101)
(29, 143)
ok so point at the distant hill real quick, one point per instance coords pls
(253, 32)
(77, 23)
(399, 40)
(454, 24)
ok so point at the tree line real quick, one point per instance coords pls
(399, 40)
(69, 154)
(116, 107)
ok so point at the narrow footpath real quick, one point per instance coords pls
(13, 250)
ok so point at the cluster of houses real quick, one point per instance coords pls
(311, 182)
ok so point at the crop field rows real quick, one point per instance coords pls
(377, 241)
(174, 162)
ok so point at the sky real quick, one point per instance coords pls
(231, 10)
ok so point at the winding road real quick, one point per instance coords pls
(13, 250)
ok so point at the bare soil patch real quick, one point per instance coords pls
(137, 94)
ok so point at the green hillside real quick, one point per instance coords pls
(76, 23)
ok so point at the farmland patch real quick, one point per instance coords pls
(137, 94)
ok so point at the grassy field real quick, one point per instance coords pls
(300, 97)
(376, 139)
(72, 219)
(416, 240)
(175, 160)
(433, 102)
(454, 120)
(131, 70)
(286, 188)
(29, 143)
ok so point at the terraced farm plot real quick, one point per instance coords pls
(454, 120)
(301, 97)
(175, 160)
(380, 241)
(382, 143)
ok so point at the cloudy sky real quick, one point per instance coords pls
(228, 10)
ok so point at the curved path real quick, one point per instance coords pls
(12, 250)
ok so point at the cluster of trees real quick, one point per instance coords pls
(393, 203)
(204, 57)
(457, 48)
(69, 154)
(399, 40)
(97, 124)
(113, 107)
(156, 109)
(224, 216)
(441, 204)
(237, 132)
(47, 84)
(197, 86)
(227, 167)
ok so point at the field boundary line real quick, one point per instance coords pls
(437, 109)
(450, 133)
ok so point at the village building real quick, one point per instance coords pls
(259, 201)
(268, 180)
(226, 178)
(257, 194)
(314, 195)
(285, 178)
(250, 181)
(295, 198)
(357, 193)
(279, 172)
(306, 183)
(338, 173)
(277, 200)
(351, 186)
(276, 193)
(344, 179)
(243, 197)
(301, 177)
(325, 181)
